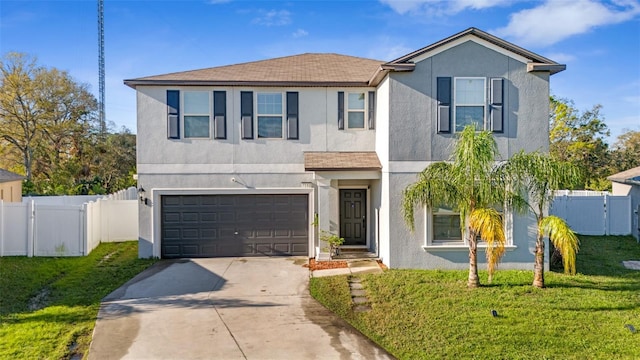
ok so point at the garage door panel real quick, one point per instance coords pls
(234, 225)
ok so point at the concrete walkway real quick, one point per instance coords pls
(366, 266)
(225, 308)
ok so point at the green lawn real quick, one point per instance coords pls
(48, 306)
(430, 314)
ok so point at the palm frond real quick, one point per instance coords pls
(564, 239)
(487, 222)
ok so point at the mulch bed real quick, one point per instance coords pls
(322, 265)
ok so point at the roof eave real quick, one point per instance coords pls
(551, 68)
(384, 69)
(133, 83)
(344, 169)
(482, 35)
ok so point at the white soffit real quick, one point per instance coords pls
(475, 39)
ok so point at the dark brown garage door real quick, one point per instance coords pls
(234, 225)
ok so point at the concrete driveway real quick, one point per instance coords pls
(224, 308)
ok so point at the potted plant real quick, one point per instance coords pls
(333, 240)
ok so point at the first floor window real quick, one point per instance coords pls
(270, 115)
(355, 111)
(197, 122)
(470, 100)
(446, 227)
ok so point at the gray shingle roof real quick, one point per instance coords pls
(6, 176)
(631, 176)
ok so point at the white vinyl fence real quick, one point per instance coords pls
(67, 225)
(593, 213)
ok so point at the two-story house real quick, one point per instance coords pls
(258, 158)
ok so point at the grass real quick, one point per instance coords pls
(430, 314)
(48, 306)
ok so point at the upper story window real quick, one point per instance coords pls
(470, 102)
(269, 115)
(197, 110)
(356, 110)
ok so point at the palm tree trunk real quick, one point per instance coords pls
(538, 267)
(474, 280)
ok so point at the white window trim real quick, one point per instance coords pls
(281, 115)
(364, 111)
(184, 113)
(464, 245)
(484, 96)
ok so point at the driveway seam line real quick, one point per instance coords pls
(230, 333)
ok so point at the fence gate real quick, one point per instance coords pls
(595, 215)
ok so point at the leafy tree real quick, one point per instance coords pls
(579, 137)
(625, 154)
(536, 175)
(50, 132)
(471, 184)
(21, 113)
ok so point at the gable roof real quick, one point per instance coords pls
(316, 69)
(6, 176)
(310, 69)
(631, 176)
(535, 62)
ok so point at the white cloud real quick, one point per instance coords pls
(273, 18)
(300, 33)
(556, 20)
(420, 7)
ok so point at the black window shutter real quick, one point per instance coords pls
(173, 114)
(497, 95)
(292, 115)
(220, 114)
(340, 110)
(444, 104)
(372, 110)
(246, 110)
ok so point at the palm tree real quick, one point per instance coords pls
(537, 175)
(472, 186)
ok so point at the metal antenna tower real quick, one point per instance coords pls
(103, 127)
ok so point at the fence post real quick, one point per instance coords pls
(31, 215)
(607, 221)
(1, 228)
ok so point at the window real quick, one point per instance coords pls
(196, 114)
(470, 100)
(443, 228)
(270, 115)
(446, 227)
(355, 111)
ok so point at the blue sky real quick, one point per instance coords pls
(598, 40)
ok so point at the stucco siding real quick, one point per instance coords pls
(407, 246)
(413, 109)
(318, 131)
(11, 191)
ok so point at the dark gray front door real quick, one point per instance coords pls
(234, 225)
(353, 219)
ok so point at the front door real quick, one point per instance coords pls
(353, 219)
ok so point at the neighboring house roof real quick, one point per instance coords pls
(349, 160)
(313, 69)
(297, 70)
(631, 176)
(6, 176)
